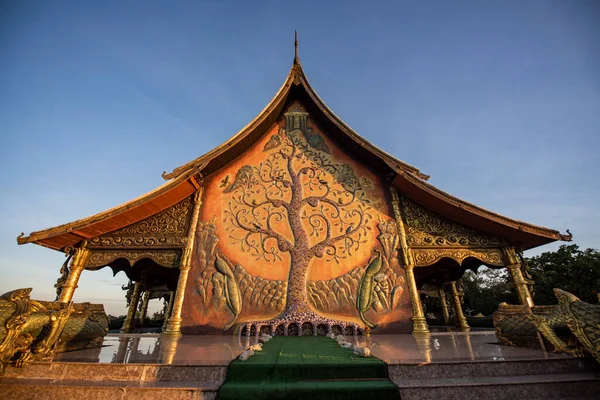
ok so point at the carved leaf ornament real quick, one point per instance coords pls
(168, 228)
(426, 228)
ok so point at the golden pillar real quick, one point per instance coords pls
(168, 310)
(424, 347)
(419, 323)
(174, 322)
(78, 263)
(461, 321)
(514, 267)
(144, 306)
(133, 305)
(520, 284)
(445, 306)
(168, 348)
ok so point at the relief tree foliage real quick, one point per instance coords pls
(297, 201)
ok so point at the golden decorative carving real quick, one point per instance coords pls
(215, 291)
(515, 327)
(16, 310)
(231, 288)
(445, 310)
(165, 258)
(582, 319)
(388, 237)
(335, 292)
(461, 321)
(448, 198)
(297, 74)
(85, 329)
(427, 229)
(424, 257)
(520, 283)
(406, 256)
(29, 329)
(255, 290)
(129, 322)
(64, 274)
(518, 271)
(80, 258)
(364, 297)
(58, 320)
(419, 322)
(174, 321)
(168, 228)
(145, 241)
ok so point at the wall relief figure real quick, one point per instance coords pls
(295, 207)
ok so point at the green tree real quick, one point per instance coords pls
(486, 289)
(568, 268)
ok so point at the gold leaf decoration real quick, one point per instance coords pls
(428, 229)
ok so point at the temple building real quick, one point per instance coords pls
(296, 225)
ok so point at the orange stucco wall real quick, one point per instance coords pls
(207, 308)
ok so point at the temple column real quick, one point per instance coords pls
(461, 321)
(133, 305)
(168, 310)
(419, 323)
(168, 348)
(144, 310)
(514, 267)
(78, 263)
(445, 310)
(174, 322)
(520, 283)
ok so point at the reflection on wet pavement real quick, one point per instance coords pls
(440, 346)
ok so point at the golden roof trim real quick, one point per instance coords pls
(296, 76)
(394, 163)
(72, 227)
(483, 212)
(203, 159)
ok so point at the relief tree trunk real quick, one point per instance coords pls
(299, 183)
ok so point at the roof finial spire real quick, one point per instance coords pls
(296, 48)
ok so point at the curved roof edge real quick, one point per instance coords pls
(135, 210)
(296, 76)
(515, 231)
(183, 181)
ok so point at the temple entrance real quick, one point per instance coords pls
(442, 291)
(147, 295)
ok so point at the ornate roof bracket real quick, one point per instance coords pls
(518, 233)
(432, 237)
(167, 229)
(296, 77)
(164, 258)
(427, 257)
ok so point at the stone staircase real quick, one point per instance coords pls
(45, 381)
(564, 378)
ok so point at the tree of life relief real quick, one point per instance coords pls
(295, 205)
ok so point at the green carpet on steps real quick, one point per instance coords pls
(307, 367)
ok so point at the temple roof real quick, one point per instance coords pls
(164, 196)
(184, 180)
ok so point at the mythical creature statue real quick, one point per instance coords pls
(581, 318)
(31, 329)
(21, 331)
(514, 327)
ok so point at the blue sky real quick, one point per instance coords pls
(499, 101)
